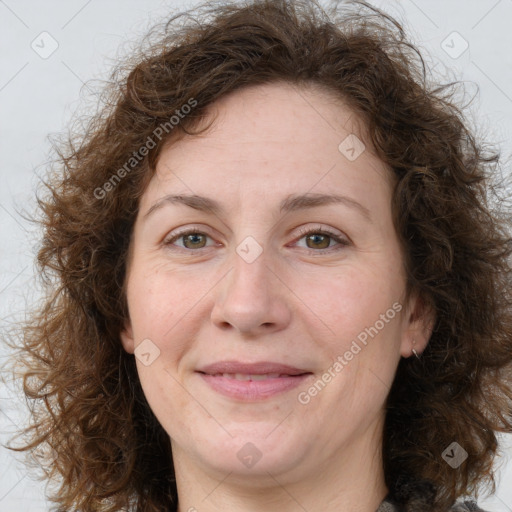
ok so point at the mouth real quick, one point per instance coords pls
(252, 381)
(251, 377)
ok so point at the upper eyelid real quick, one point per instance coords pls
(303, 231)
(321, 229)
(186, 230)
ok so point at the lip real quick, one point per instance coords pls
(249, 390)
(258, 368)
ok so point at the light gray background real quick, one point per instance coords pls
(38, 96)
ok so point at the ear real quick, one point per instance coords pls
(127, 337)
(419, 320)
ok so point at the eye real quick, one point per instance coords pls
(317, 239)
(191, 238)
(320, 239)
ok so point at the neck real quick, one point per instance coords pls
(350, 479)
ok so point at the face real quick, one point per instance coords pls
(267, 312)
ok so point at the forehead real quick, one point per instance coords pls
(270, 140)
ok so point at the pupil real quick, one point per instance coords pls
(194, 239)
(314, 239)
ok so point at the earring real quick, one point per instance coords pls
(414, 350)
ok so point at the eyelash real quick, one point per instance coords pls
(343, 242)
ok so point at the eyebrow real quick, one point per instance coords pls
(289, 204)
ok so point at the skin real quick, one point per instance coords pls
(299, 302)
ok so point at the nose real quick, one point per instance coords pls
(252, 299)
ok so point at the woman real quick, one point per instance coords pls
(275, 280)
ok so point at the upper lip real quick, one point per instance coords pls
(259, 368)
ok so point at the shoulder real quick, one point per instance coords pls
(463, 506)
(466, 506)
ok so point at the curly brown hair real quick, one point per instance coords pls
(86, 400)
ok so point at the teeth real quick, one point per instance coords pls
(245, 376)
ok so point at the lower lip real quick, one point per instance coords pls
(251, 390)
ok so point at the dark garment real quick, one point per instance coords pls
(466, 506)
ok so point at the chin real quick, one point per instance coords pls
(251, 451)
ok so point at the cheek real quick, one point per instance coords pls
(363, 347)
(352, 300)
(160, 297)
(164, 394)
(168, 307)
